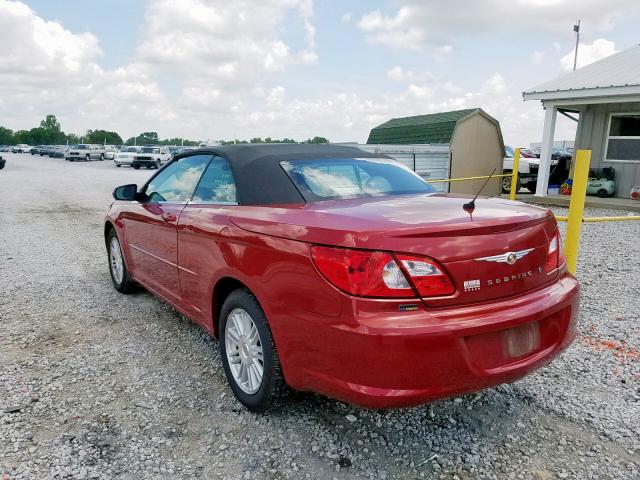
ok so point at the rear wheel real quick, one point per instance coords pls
(119, 273)
(506, 184)
(102, 157)
(136, 166)
(158, 164)
(248, 353)
(88, 157)
(602, 193)
(531, 186)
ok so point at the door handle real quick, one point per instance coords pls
(169, 217)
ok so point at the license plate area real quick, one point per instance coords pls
(522, 340)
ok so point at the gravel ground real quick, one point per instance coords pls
(94, 384)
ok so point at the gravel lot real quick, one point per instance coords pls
(94, 384)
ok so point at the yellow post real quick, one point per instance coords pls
(576, 207)
(514, 175)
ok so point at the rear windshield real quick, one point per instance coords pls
(150, 150)
(329, 179)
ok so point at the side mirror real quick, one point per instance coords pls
(126, 192)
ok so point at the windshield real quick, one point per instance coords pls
(353, 178)
(508, 151)
(150, 150)
(81, 147)
(130, 149)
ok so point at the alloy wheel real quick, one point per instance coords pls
(115, 260)
(243, 347)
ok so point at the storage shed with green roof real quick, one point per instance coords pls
(474, 139)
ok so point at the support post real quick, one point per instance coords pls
(576, 208)
(514, 175)
(550, 114)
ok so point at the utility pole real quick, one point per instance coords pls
(576, 28)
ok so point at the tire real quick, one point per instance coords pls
(531, 186)
(119, 276)
(102, 157)
(272, 387)
(506, 184)
(88, 157)
(118, 165)
(158, 164)
(136, 166)
(602, 193)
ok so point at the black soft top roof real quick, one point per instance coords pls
(260, 180)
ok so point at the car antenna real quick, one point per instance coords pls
(470, 206)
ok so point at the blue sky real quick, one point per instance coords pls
(296, 68)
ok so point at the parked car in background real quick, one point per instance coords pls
(21, 148)
(151, 156)
(110, 152)
(125, 156)
(85, 152)
(57, 151)
(5, 148)
(35, 150)
(528, 165)
(330, 269)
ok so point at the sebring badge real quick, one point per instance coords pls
(509, 257)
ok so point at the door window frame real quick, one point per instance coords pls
(143, 190)
(223, 204)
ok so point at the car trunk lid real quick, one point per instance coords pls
(473, 247)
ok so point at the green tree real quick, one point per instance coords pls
(316, 139)
(144, 138)
(6, 136)
(102, 137)
(22, 136)
(51, 123)
(72, 139)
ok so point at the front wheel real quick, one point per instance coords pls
(119, 273)
(88, 157)
(136, 166)
(102, 157)
(602, 193)
(158, 164)
(248, 353)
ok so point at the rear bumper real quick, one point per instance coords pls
(380, 357)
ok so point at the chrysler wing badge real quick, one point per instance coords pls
(509, 257)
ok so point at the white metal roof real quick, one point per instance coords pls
(617, 74)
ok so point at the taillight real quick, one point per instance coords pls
(555, 257)
(362, 273)
(426, 276)
(378, 274)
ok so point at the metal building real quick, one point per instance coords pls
(604, 98)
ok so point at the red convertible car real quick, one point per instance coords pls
(334, 270)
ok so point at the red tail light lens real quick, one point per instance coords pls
(362, 273)
(378, 274)
(429, 279)
(553, 254)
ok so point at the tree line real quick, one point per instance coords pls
(50, 133)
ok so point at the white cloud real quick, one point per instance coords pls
(401, 75)
(588, 53)
(216, 53)
(223, 41)
(536, 57)
(418, 24)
